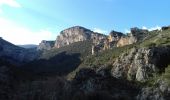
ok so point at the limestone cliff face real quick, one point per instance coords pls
(115, 36)
(75, 34)
(134, 36)
(140, 64)
(45, 45)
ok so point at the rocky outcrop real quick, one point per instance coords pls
(100, 44)
(15, 54)
(139, 34)
(101, 87)
(126, 41)
(165, 27)
(75, 34)
(140, 64)
(115, 36)
(45, 45)
(160, 91)
(136, 35)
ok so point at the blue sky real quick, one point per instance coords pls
(30, 21)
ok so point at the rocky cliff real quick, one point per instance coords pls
(140, 71)
(75, 34)
(45, 45)
(136, 35)
(115, 36)
(140, 64)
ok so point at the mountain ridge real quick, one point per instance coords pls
(75, 34)
(138, 69)
(16, 54)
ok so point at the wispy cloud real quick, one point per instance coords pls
(12, 3)
(127, 31)
(152, 28)
(20, 35)
(99, 30)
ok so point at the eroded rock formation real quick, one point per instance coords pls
(136, 35)
(75, 34)
(46, 45)
(140, 64)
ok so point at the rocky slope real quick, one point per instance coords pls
(140, 64)
(136, 35)
(115, 36)
(15, 54)
(145, 63)
(61, 60)
(75, 34)
(138, 71)
(45, 45)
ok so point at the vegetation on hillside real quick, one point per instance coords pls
(107, 57)
(166, 75)
(77, 61)
(60, 61)
(82, 47)
(157, 38)
(49, 61)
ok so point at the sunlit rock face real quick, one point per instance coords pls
(76, 34)
(46, 45)
(140, 64)
(115, 36)
(136, 35)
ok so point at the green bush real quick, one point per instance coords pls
(151, 44)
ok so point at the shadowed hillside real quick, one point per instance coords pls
(60, 64)
(139, 71)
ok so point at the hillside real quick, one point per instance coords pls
(61, 60)
(148, 63)
(138, 71)
(15, 54)
(28, 46)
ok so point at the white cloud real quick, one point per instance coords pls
(144, 27)
(16, 34)
(99, 30)
(12, 3)
(127, 31)
(152, 28)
